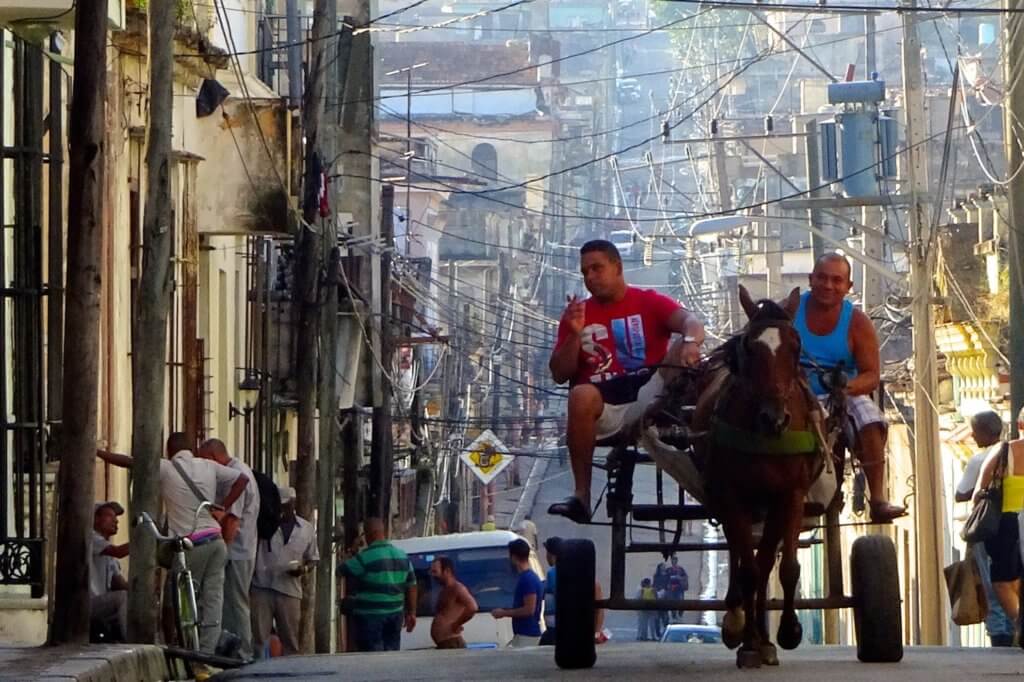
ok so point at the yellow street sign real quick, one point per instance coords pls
(487, 457)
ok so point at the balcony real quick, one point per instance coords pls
(54, 12)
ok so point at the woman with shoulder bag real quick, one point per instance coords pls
(1005, 465)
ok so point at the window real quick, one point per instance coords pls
(485, 571)
(485, 162)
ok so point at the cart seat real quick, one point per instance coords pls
(618, 440)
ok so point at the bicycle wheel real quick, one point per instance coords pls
(185, 611)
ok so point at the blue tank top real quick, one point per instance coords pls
(827, 351)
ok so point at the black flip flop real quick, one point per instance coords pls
(571, 508)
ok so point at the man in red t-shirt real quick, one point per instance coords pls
(607, 348)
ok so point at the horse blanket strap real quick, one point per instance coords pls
(788, 443)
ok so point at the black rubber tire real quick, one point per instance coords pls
(877, 610)
(574, 606)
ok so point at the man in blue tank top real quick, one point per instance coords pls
(832, 331)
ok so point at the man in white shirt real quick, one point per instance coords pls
(241, 549)
(107, 585)
(179, 473)
(277, 583)
(987, 430)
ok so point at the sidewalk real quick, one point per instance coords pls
(93, 663)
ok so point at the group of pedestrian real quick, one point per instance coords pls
(248, 587)
(999, 557)
(670, 582)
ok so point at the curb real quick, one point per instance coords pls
(96, 663)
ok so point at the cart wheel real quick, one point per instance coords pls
(574, 606)
(877, 614)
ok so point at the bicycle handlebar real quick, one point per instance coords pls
(147, 520)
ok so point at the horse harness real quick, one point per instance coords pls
(789, 443)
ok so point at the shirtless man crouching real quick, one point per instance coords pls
(455, 606)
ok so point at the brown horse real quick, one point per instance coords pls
(762, 457)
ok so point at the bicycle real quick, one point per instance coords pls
(183, 593)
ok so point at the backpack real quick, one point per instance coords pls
(269, 518)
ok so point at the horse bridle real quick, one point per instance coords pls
(741, 353)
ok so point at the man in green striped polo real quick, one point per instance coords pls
(382, 586)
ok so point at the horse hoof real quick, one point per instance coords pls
(769, 654)
(748, 658)
(732, 628)
(790, 633)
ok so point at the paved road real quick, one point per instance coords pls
(641, 661)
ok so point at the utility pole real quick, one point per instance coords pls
(721, 175)
(306, 302)
(1014, 109)
(929, 511)
(813, 166)
(381, 452)
(149, 331)
(81, 377)
(324, 607)
(354, 142)
(872, 288)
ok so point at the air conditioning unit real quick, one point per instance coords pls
(57, 13)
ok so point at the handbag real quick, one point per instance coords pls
(967, 600)
(983, 522)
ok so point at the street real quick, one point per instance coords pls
(641, 661)
(335, 273)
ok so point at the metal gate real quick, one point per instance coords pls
(30, 376)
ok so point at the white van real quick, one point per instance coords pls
(482, 565)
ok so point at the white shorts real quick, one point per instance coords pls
(862, 410)
(617, 416)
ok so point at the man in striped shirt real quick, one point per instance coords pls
(383, 587)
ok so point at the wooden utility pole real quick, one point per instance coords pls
(381, 452)
(929, 510)
(324, 607)
(1013, 111)
(149, 328)
(330, 440)
(308, 263)
(86, 190)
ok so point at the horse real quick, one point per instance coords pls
(763, 455)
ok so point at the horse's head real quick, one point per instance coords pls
(766, 356)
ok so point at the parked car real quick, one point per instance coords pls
(623, 240)
(683, 633)
(482, 565)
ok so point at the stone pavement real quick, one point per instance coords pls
(93, 663)
(640, 661)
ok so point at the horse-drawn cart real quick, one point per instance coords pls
(874, 596)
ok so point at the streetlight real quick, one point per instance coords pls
(248, 392)
(712, 226)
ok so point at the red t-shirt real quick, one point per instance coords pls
(622, 337)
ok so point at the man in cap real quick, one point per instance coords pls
(276, 592)
(107, 585)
